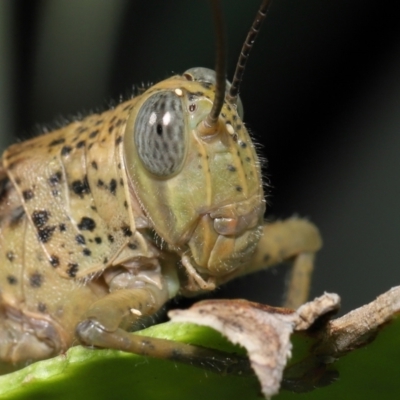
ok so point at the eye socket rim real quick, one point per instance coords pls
(182, 117)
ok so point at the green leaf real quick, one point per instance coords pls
(104, 374)
(369, 372)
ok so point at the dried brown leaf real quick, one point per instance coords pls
(262, 330)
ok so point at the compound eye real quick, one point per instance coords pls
(160, 133)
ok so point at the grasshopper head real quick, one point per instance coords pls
(193, 165)
(200, 187)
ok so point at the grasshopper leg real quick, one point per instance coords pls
(104, 325)
(212, 360)
(295, 240)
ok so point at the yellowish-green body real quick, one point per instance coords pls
(90, 237)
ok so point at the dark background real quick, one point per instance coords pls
(321, 93)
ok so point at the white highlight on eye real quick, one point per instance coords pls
(153, 118)
(166, 119)
(178, 92)
(230, 129)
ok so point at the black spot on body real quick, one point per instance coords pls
(28, 195)
(94, 165)
(80, 144)
(132, 246)
(110, 129)
(86, 252)
(243, 145)
(54, 261)
(10, 256)
(238, 127)
(113, 186)
(72, 269)
(98, 239)
(248, 159)
(55, 179)
(87, 224)
(55, 142)
(94, 133)
(110, 238)
(40, 218)
(105, 261)
(127, 231)
(100, 183)
(42, 307)
(66, 150)
(81, 187)
(62, 227)
(239, 188)
(118, 140)
(82, 129)
(125, 204)
(80, 239)
(45, 234)
(12, 280)
(231, 168)
(36, 280)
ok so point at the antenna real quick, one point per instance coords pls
(247, 46)
(211, 121)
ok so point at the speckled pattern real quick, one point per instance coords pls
(73, 191)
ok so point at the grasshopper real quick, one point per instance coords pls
(104, 220)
